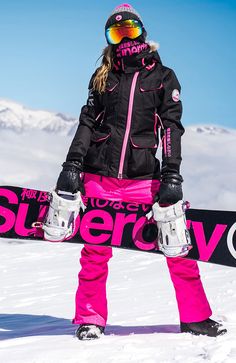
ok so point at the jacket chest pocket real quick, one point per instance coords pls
(100, 136)
(150, 91)
(143, 148)
(143, 141)
(142, 158)
(110, 96)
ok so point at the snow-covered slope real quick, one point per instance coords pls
(32, 159)
(38, 283)
(38, 280)
(16, 117)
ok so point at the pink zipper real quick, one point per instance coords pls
(128, 125)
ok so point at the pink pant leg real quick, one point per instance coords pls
(191, 299)
(91, 301)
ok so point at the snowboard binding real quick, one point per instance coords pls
(63, 210)
(173, 236)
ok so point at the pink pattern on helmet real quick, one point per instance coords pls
(126, 8)
(120, 6)
(118, 17)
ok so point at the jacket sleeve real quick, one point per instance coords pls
(87, 122)
(170, 112)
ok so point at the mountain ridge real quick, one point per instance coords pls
(18, 118)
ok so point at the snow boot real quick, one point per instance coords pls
(207, 327)
(89, 331)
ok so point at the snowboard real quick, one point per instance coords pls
(119, 224)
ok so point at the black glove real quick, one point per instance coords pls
(170, 191)
(69, 179)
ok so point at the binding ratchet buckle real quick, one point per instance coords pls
(64, 208)
(173, 236)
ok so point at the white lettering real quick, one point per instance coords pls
(230, 241)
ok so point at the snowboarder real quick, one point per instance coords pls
(112, 156)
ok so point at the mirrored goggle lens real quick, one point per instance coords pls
(125, 29)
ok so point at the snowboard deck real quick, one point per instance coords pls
(119, 224)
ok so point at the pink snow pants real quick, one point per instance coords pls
(91, 301)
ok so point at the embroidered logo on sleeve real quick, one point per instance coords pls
(175, 95)
(90, 98)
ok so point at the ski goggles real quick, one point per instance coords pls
(124, 29)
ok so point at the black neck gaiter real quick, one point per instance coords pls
(129, 48)
(129, 54)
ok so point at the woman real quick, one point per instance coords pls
(130, 95)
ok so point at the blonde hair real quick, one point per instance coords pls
(99, 82)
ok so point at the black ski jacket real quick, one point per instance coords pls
(118, 133)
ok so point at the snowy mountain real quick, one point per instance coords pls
(210, 130)
(208, 167)
(39, 280)
(16, 117)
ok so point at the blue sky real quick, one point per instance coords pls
(49, 51)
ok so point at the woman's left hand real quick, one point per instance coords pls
(170, 191)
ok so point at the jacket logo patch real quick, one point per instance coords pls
(175, 95)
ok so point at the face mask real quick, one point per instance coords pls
(129, 48)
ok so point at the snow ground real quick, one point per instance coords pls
(38, 280)
(37, 304)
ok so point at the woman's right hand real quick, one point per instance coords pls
(69, 179)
